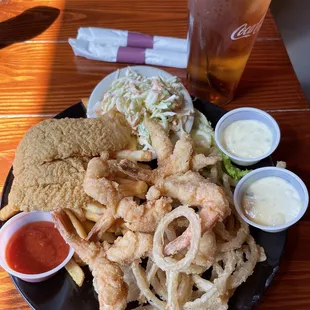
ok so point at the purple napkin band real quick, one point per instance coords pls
(136, 39)
(133, 55)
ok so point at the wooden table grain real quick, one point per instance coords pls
(40, 76)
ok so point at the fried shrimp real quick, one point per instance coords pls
(96, 183)
(144, 217)
(108, 276)
(174, 178)
(206, 251)
(194, 190)
(160, 140)
(137, 217)
(200, 161)
(130, 247)
(179, 159)
(134, 171)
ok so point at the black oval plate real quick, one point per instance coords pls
(61, 293)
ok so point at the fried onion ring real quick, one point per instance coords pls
(168, 263)
(144, 287)
(172, 284)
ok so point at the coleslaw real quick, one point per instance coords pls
(138, 97)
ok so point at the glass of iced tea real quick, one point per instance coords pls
(221, 37)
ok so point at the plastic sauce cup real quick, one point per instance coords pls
(10, 227)
(261, 173)
(247, 114)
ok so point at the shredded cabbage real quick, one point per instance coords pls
(137, 96)
(203, 136)
(202, 133)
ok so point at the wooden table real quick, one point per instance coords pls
(39, 77)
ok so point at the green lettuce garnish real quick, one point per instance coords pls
(233, 171)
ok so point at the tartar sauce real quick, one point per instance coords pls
(247, 138)
(271, 201)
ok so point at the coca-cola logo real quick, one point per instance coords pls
(245, 30)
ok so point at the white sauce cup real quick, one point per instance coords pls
(247, 114)
(10, 227)
(260, 173)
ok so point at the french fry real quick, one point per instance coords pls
(76, 224)
(88, 225)
(95, 207)
(108, 236)
(76, 272)
(144, 166)
(133, 189)
(139, 155)
(94, 217)
(122, 180)
(128, 181)
(141, 196)
(118, 224)
(8, 211)
(119, 174)
(78, 260)
(133, 143)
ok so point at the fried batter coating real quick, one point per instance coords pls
(108, 276)
(130, 247)
(178, 161)
(68, 137)
(194, 190)
(200, 161)
(137, 217)
(46, 187)
(97, 185)
(160, 140)
(144, 217)
(170, 161)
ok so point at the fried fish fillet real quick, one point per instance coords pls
(50, 186)
(62, 138)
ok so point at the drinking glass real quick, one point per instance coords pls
(221, 36)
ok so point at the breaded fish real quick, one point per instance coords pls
(50, 186)
(62, 138)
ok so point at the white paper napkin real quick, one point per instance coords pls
(98, 51)
(115, 37)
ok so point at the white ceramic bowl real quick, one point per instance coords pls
(10, 227)
(104, 85)
(260, 173)
(247, 114)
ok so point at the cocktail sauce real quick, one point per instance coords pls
(36, 248)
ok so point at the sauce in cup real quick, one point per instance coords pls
(247, 138)
(271, 201)
(35, 248)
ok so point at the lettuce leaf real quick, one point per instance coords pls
(233, 171)
(202, 133)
